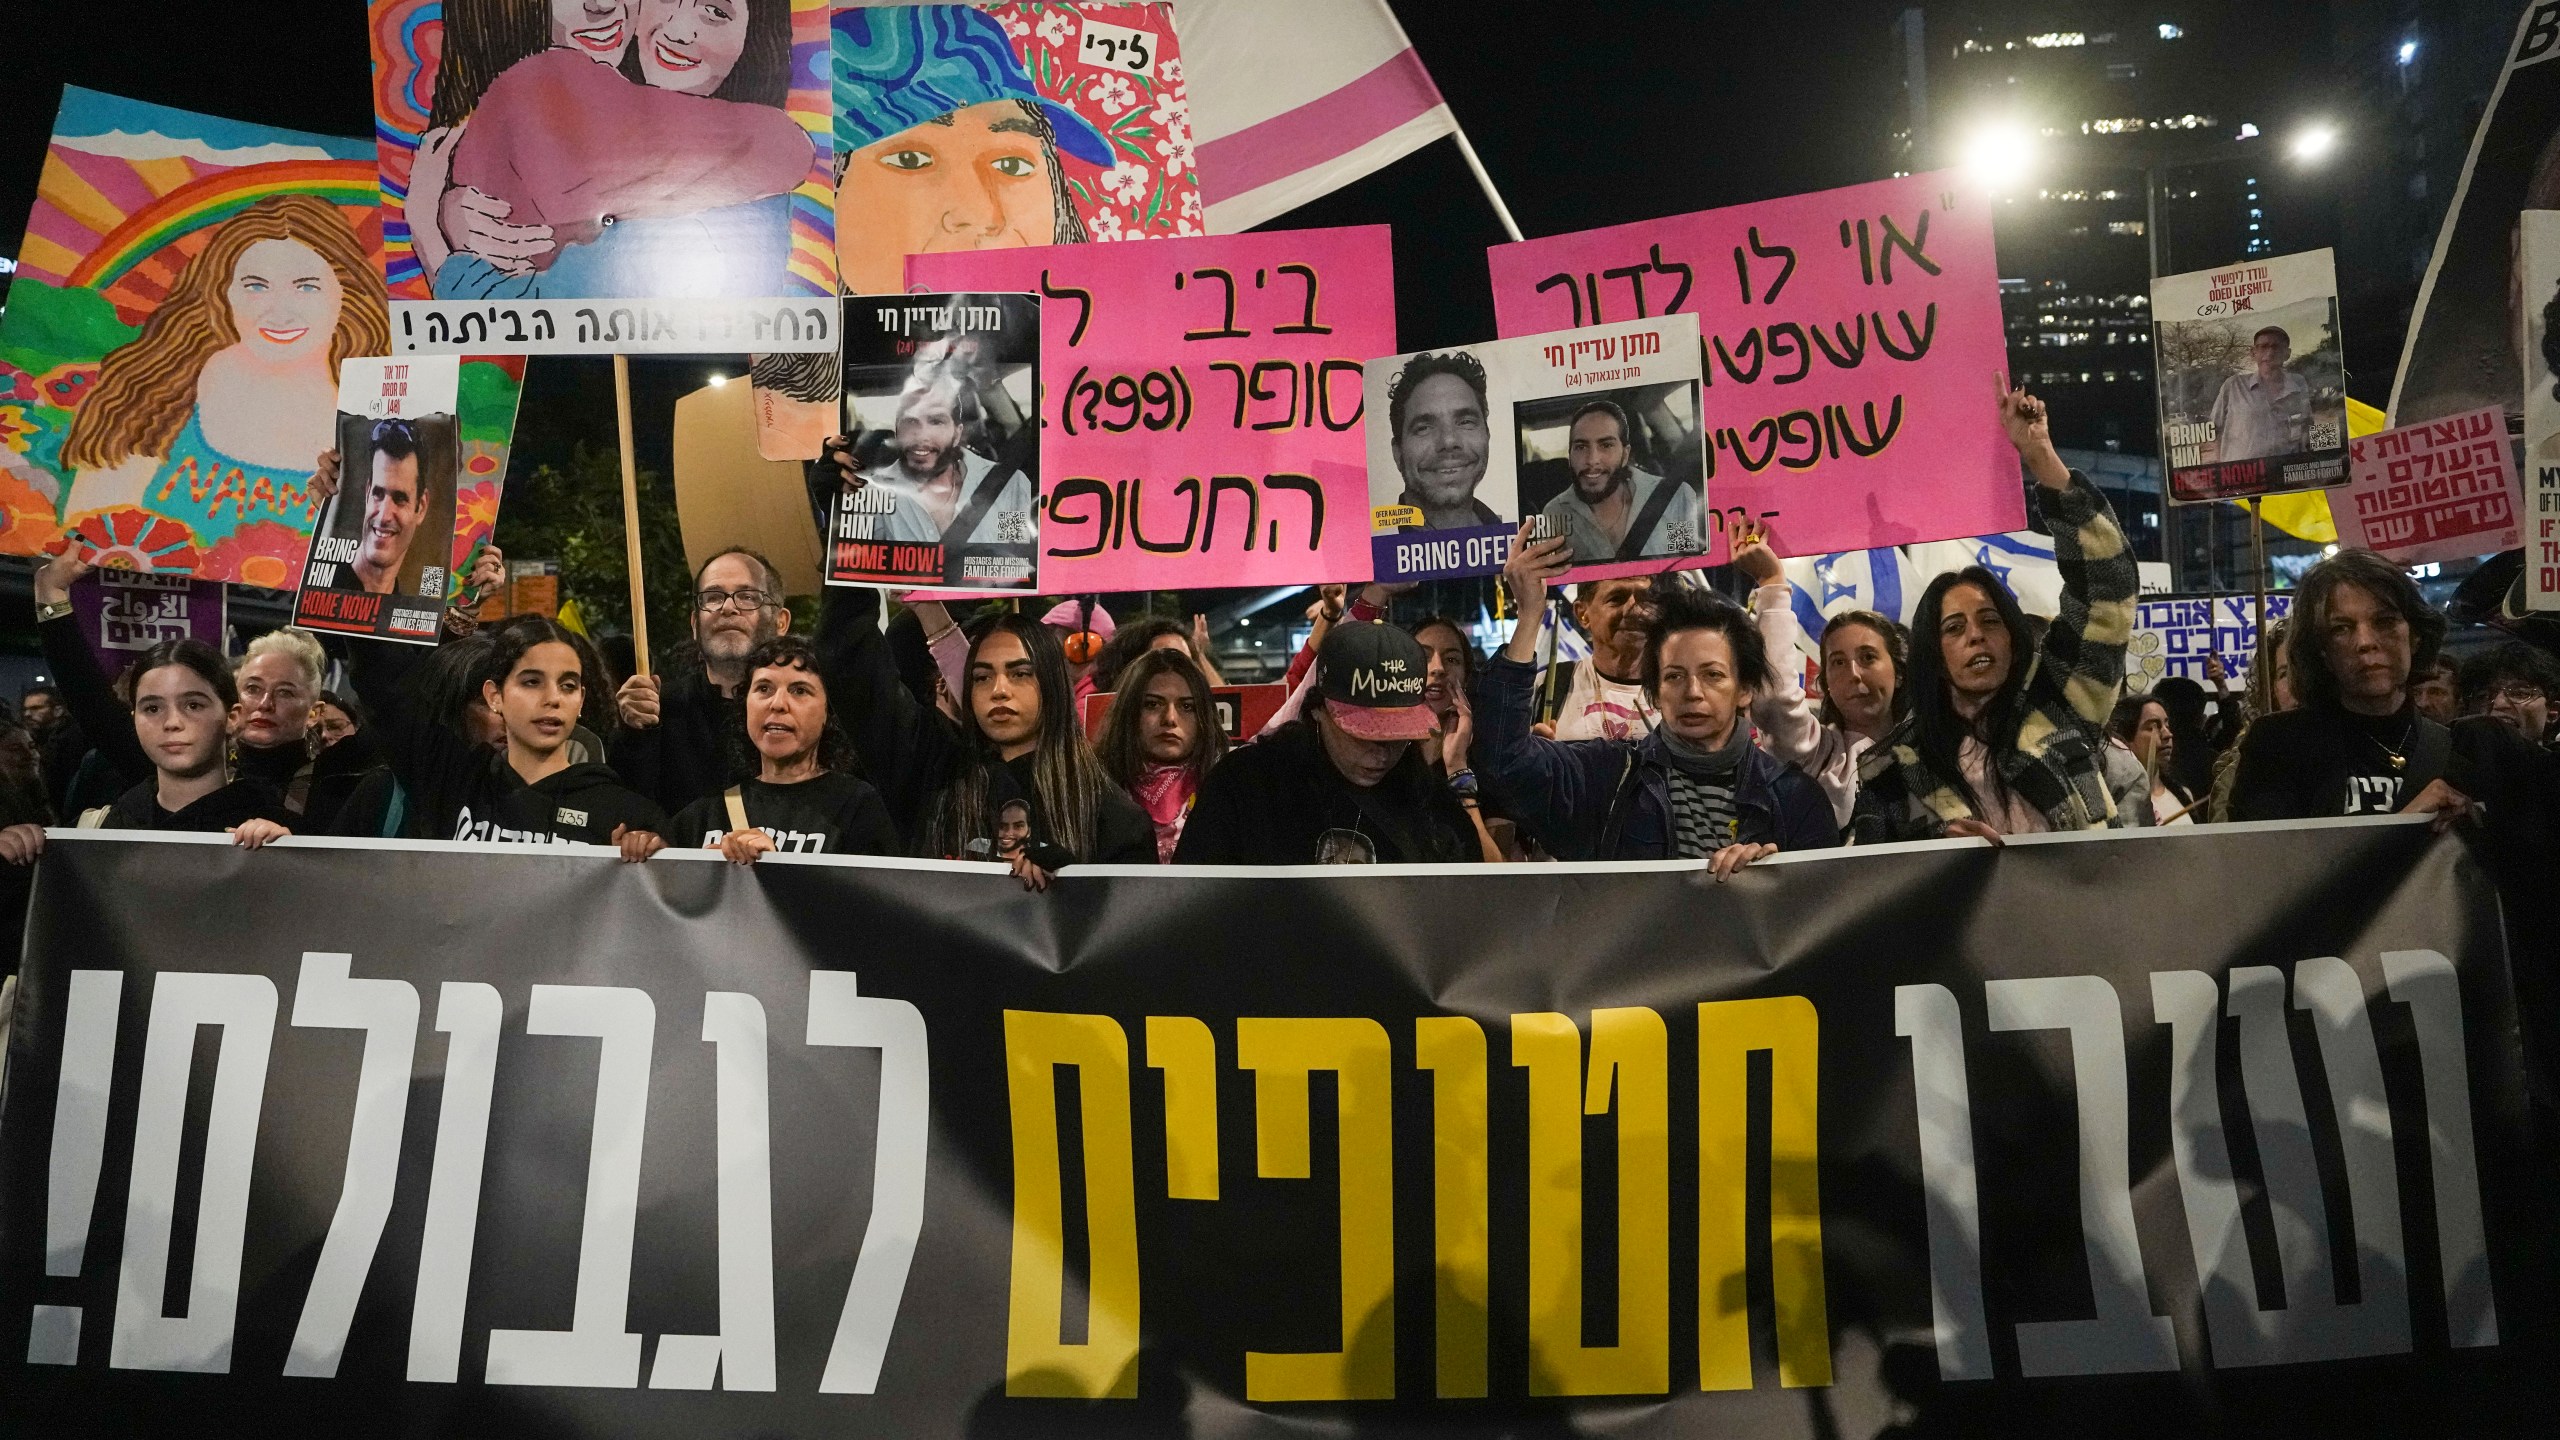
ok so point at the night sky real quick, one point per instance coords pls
(1588, 114)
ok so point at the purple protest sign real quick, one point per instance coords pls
(1852, 340)
(125, 612)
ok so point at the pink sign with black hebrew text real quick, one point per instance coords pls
(1201, 403)
(2437, 490)
(1853, 338)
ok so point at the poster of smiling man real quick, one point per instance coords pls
(966, 129)
(384, 546)
(675, 152)
(169, 358)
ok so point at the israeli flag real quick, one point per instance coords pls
(2021, 559)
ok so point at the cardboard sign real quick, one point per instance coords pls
(2541, 261)
(2175, 635)
(1851, 340)
(1593, 431)
(2253, 380)
(122, 613)
(939, 397)
(652, 178)
(923, 97)
(158, 410)
(1242, 710)
(727, 494)
(380, 559)
(2442, 490)
(1202, 402)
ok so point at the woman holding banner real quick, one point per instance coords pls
(2004, 734)
(802, 798)
(542, 682)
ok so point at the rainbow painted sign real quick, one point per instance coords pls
(168, 360)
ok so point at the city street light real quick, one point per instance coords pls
(2000, 155)
(2313, 142)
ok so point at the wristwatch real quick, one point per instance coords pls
(1464, 783)
(52, 610)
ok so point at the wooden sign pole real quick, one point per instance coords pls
(631, 516)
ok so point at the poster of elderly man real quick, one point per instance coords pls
(380, 555)
(2253, 397)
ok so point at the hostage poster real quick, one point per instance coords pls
(382, 551)
(963, 128)
(591, 178)
(2253, 381)
(169, 355)
(1201, 403)
(2539, 255)
(940, 401)
(1593, 432)
(1851, 340)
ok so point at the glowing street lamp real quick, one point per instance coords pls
(2313, 143)
(2000, 155)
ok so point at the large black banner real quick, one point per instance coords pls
(2186, 1132)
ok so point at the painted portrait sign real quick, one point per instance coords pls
(169, 359)
(539, 157)
(966, 129)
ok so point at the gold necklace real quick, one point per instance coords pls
(2399, 759)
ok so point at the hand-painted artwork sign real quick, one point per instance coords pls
(1851, 340)
(1202, 402)
(168, 363)
(539, 160)
(1594, 432)
(2440, 490)
(962, 128)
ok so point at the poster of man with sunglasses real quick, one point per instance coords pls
(938, 403)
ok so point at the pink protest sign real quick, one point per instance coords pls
(1852, 341)
(2438, 490)
(1201, 403)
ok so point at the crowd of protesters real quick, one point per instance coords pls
(1690, 731)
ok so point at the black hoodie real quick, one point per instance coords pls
(465, 792)
(1280, 801)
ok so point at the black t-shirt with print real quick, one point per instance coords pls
(2324, 760)
(830, 815)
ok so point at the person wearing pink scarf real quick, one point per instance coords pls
(1160, 738)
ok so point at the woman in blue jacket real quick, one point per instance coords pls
(1694, 788)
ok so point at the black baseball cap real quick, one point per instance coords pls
(1371, 674)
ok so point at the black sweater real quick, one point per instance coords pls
(687, 754)
(1280, 801)
(830, 815)
(242, 799)
(466, 792)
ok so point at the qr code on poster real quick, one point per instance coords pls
(1684, 541)
(1013, 527)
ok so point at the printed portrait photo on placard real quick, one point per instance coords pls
(380, 556)
(2253, 390)
(1618, 472)
(939, 399)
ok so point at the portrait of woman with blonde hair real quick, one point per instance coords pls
(216, 415)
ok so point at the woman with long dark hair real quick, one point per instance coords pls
(1161, 738)
(805, 797)
(1019, 741)
(543, 682)
(2141, 724)
(2004, 733)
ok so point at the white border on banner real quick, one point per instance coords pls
(1244, 872)
(784, 325)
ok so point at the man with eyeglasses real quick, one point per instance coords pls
(674, 746)
(2514, 685)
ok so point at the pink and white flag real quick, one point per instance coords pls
(1292, 102)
